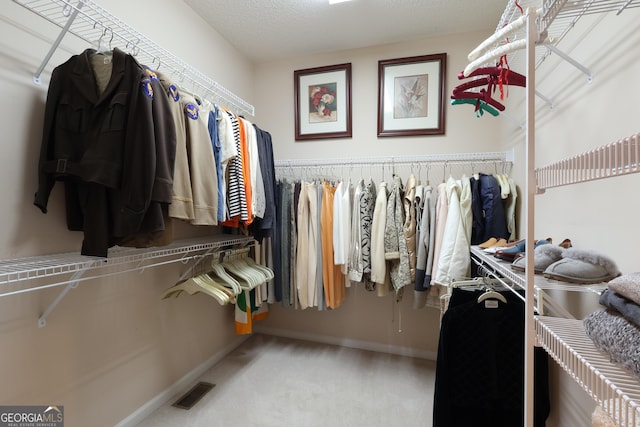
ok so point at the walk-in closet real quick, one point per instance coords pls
(311, 213)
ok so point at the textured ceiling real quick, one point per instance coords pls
(275, 29)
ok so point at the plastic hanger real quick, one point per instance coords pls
(254, 276)
(102, 47)
(245, 280)
(221, 273)
(268, 273)
(223, 295)
(193, 286)
(491, 294)
(482, 95)
(481, 106)
(210, 289)
(509, 76)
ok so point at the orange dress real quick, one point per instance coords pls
(333, 279)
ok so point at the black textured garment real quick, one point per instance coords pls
(480, 365)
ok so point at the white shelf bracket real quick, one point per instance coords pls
(75, 279)
(571, 61)
(512, 120)
(545, 99)
(623, 7)
(73, 12)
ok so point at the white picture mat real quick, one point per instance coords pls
(433, 93)
(341, 97)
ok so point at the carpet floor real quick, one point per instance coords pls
(273, 382)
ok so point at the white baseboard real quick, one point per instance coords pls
(347, 342)
(179, 386)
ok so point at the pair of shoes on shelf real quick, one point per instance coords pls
(493, 242)
(543, 257)
(566, 243)
(582, 266)
(511, 253)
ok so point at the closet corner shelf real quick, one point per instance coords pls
(503, 268)
(556, 19)
(611, 386)
(88, 21)
(517, 282)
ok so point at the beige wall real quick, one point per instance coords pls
(367, 320)
(274, 105)
(112, 345)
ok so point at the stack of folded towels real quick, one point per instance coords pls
(616, 329)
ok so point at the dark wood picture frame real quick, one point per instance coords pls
(322, 102)
(411, 95)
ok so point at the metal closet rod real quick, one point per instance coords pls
(501, 156)
(90, 22)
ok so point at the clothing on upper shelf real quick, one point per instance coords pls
(378, 263)
(201, 162)
(453, 261)
(367, 205)
(425, 212)
(409, 226)
(395, 242)
(333, 280)
(135, 151)
(88, 142)
(489, 219)
(182, 199)
(264, 222)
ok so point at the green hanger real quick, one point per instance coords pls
(483, 106)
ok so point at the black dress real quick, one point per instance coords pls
(480, 365)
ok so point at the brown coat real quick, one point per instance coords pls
(114, 150)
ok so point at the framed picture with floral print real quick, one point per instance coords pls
(411, 95)
(323, 102)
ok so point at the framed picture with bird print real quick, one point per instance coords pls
(411, 95)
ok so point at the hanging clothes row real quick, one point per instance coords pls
(334, 234)
(134, 151)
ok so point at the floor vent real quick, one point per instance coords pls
(192, 397)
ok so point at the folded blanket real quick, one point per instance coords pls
(627, 285)
(600, 418)
(629, 309)
(615, 335)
